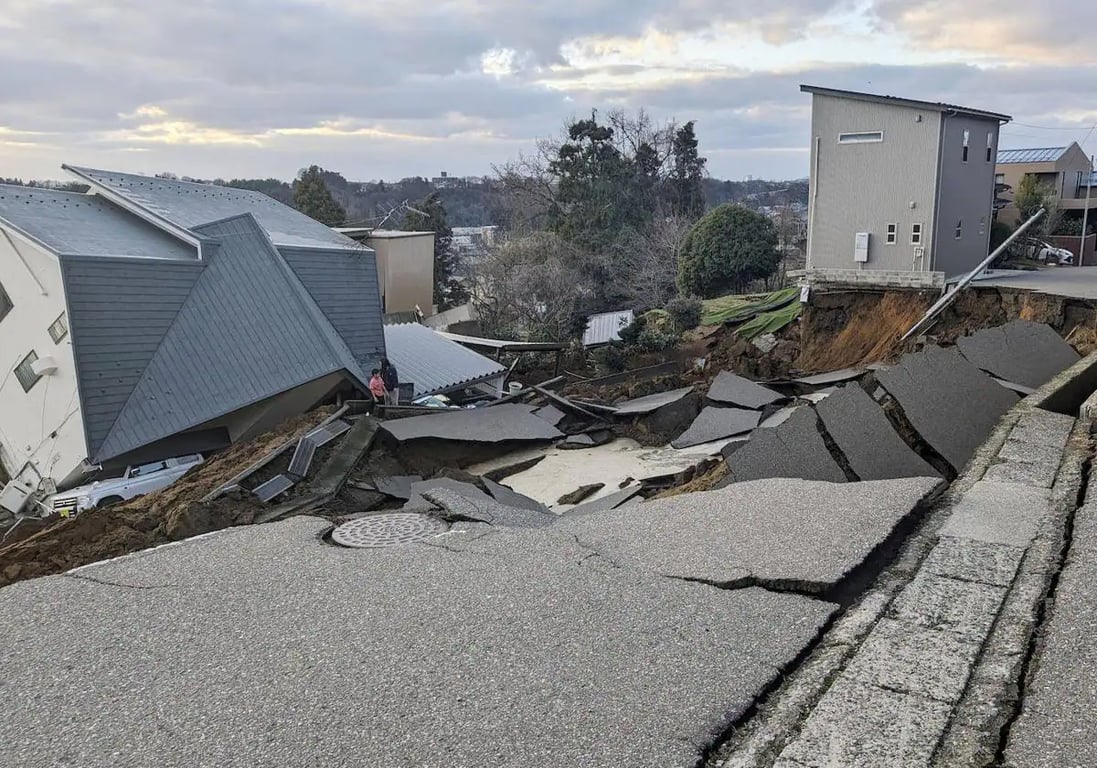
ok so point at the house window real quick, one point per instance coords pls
(5, 303)
(967, 143)
(24, 372)
(990, 146)
(862, 137)
(59, 329)
(999, 178)
(915, 234)
(982, 225)
(959, 229)
(892, 233)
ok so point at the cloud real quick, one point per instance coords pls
(261, 87)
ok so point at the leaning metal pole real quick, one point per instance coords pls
(931, 316)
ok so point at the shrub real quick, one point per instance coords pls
(612, 358)
(631, 332)
(685, 311)
(727, 250)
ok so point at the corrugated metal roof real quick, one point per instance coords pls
(188, 204)
(606, 326)
(75, 223)
(246, 331)
(1039, 155)
(433, 363)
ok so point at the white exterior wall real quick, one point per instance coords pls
(44, 425)
(864, 187)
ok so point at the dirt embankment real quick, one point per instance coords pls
(175, 513)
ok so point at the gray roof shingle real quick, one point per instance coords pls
(434, 363)
(189, 205)
(1038, 155)
(75, 223)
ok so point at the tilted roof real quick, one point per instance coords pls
(432, 362)
(77, 223)
(161, 352)
(1038, 155)
(936, 106)
(188, 205)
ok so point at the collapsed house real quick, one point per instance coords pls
(152, 318)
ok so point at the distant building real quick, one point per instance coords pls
(473, 242)
(899, 186)
(405, 266)
(1064, 171)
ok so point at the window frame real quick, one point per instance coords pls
(860, 137)
(990, 146)
(982, 225)
(63, 320)
(29, 360)
(6, 304)
(916, 233)
(967, 145)
(959, 229)
(891, 233)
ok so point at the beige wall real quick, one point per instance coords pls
(405, 271)
(864, 187)
(42, 426)
(1060, 177)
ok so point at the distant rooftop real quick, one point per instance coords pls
(73, 223)
(936, 106)
(1039, 155)
(188, 204)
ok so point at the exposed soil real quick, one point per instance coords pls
(53, 546)
(841, 330)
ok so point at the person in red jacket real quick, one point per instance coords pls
(377, 386)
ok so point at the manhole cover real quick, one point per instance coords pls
(390, 530)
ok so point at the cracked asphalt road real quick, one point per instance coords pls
(264, 646)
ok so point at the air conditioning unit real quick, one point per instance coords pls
(14, 497)
(44, 366)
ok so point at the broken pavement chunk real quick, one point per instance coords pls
(396, 486)
(550, 413)
(951, 403)
(417, 501)
(1020, 351)
(794, 533)
(475, 425)
(613, 501)
(456, 505)
(863, 433)
(716, 424)
(580, 493)
(793, 449)
(733, 389)
(651, 403)
(511, 497)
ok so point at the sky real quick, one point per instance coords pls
(385, 90)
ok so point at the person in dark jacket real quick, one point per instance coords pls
(392, 382)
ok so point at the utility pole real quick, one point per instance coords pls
(1085, 216)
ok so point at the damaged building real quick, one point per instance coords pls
(152, 318)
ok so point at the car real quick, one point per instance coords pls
(137, 480)
(1045, 252)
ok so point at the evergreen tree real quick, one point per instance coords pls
(430, 216)
(313, 198)
(727, 249)
(685, 186)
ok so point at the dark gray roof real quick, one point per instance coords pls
(245, 331)
(434, 363)
(344, 285)
(75, 223)
(936, 106)
(189, 205)
(119, 310)
(1039, 155)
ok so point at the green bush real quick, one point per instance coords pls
(685, 311)
(631, 332)
(1069, 227)
(728, 249)
(655, 340)
(612, 358)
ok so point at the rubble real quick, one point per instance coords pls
(951, 403)
(794, 449)
(1020, 351)
(500, 423)
(731, 389)
(716, 423)
(581, 493)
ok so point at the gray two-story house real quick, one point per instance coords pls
(898, 186)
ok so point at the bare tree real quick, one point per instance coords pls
(648, 262)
